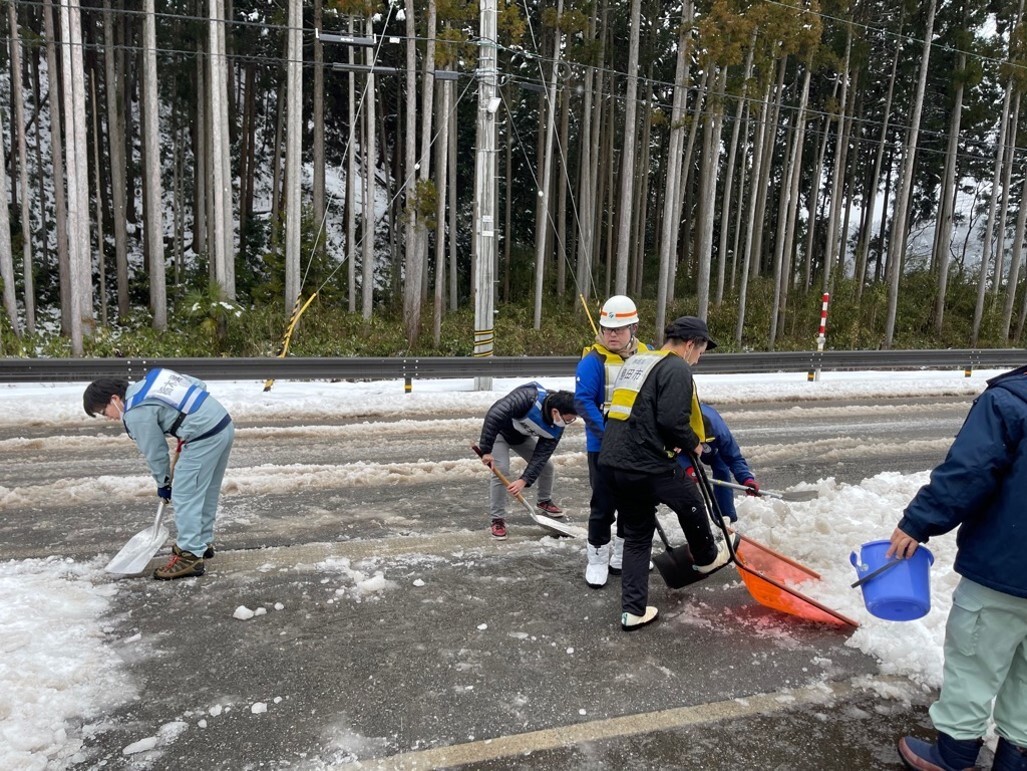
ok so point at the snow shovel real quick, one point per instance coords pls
(560, 528)
(137, 553)
(676, 564)
(796, 496)
(764, 572)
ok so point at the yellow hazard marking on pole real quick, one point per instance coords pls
(297, 311)
(588, 313)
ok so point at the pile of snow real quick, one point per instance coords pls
(58, 673)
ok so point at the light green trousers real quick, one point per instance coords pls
(985, 660)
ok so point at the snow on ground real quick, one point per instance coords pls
(60, 404)
(57, 670)
(59, 675)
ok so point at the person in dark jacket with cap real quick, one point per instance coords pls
(980, 488)
(654, 414)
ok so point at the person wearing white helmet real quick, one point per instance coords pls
(616, 342)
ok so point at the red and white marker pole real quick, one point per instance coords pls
(814, 373)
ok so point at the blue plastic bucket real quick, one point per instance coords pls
(901, 593)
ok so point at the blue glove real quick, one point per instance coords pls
(164, 493)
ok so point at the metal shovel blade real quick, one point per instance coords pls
(141, 548)
(676, 564)
(799, 496)
(553, 525)
(677, 567)
(793, 496)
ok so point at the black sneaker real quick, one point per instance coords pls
(209, 552)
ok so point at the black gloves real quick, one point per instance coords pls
(164, 493)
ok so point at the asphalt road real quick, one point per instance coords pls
(398, 635)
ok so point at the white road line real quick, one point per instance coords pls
(605, 730)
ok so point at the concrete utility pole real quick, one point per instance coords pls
(485, 191)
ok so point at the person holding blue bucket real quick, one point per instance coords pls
(981, 488)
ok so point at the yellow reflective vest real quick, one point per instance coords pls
(612, 363)
(632, 376)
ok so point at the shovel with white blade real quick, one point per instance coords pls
(141, 548)
(560, 528)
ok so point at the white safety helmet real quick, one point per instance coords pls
(618, 311)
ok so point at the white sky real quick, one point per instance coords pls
(58, 669)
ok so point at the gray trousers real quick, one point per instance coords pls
(498, 496)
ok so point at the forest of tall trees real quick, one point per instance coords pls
(732, 159)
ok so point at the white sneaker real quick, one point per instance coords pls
(598, 567)
(629, 622)
(617, 555)
(722, 558)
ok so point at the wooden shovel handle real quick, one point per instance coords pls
(500, 474)
(174, 459)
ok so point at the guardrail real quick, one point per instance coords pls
(27, 370)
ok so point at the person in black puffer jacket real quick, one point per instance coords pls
(529, 421)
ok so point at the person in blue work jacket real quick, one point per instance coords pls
(724, 457)
(165, 403)
(615, 343)
(980, 488)
(529, 421)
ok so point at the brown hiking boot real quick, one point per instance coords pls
(181, 565)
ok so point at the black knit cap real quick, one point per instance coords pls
(690, 328)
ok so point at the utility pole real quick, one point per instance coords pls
(485, 191)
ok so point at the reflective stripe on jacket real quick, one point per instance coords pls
(184, 393)
(630, 380)
(661, 420)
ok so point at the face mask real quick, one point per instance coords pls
(558, 421)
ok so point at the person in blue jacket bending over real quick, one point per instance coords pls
(980, 488)
(724, 457)
(165, 403)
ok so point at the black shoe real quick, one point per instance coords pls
(209, 552)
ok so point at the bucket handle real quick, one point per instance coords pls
(875, 573)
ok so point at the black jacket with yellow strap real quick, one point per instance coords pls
(647, 424)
